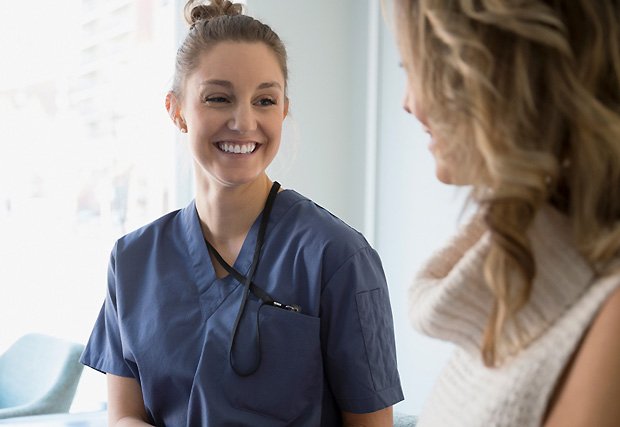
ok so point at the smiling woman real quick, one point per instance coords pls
(231, 105)
(252, 305)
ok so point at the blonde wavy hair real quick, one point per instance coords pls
(537, 85)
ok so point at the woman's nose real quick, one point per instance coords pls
(406, 105)
(243, 119)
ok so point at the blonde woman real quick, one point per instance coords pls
(522, 102)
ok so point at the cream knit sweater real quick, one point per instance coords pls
(450, 301)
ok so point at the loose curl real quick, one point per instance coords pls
(537, 85)
(219, 21)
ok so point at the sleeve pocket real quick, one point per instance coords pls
(378, 331)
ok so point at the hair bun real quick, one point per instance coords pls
(195, 11)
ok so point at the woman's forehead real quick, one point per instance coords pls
(235, 64)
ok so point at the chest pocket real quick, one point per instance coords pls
(286, 389)
(289, 378)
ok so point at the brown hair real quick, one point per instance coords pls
(218, 21)
(537, 84)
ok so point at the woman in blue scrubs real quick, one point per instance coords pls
(252, 306)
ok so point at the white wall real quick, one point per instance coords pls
(326, 90)
(415, 215)
(330, 46)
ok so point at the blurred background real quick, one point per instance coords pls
(87, 154)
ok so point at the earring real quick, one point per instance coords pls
(183, 130)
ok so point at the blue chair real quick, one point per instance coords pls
(38, 375)
(403, 420)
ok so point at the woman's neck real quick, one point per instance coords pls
(227, 213)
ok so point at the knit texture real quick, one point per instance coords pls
(450, 301)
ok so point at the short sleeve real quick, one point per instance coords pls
(357, 335)
(104, 350)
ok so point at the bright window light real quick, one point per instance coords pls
(87, 153)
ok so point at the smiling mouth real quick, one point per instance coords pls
(237, 148)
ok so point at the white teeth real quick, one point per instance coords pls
(237, 148)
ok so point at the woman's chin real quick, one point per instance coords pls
(444, 175)
(450, 176)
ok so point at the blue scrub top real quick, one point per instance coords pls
(167, 322)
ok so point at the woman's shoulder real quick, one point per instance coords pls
(594, 367)
(313, 236)
(300, 216)
(148, 234)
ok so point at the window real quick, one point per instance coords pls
(87, 153)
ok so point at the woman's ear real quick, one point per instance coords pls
(285, 108)
(174, 111)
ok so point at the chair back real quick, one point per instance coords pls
(404, 420)
(39, 374)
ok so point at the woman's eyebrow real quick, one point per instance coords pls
(227, 84)
(267, 85)
(217, 82)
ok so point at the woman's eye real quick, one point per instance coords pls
(215, 99)
(265, 102)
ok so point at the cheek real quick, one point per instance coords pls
(273, 126)
(203, 119)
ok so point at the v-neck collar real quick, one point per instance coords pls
(201, 264)
(203, 269)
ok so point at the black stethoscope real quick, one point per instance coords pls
(249, 286)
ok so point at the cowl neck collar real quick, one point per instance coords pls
(450, 299)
